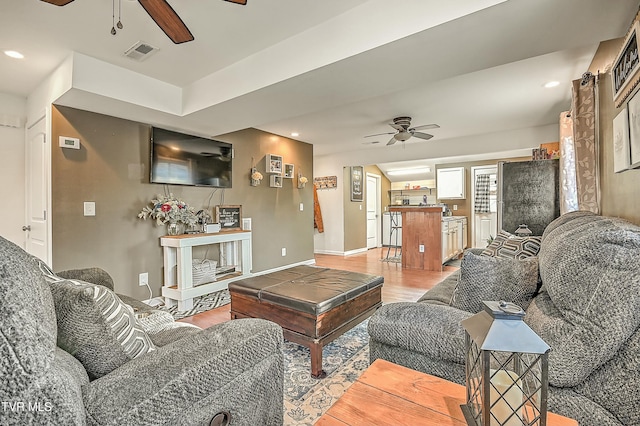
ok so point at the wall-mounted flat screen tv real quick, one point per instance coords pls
(181, 159)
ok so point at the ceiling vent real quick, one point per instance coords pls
(140, 51)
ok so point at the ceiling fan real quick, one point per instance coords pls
(163, 15)
(404, 132)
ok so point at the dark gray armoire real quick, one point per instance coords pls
(528, 193)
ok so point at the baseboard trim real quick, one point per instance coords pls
(280, 268)
(329, 252)
(342, 253)
(356, 251)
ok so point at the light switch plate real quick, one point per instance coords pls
(89, 208)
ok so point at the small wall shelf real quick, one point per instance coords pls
(274, 163)
(288, 171)
(275, 181)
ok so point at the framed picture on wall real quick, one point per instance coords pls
(634, 130)
(357, 184)
(625, 74)
(621, 151)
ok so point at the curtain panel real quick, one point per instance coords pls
(579, 174)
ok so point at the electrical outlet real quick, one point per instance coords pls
(455, 207)
(143, 279)
(284, 251)
(421, 248)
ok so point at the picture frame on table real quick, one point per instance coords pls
(633, 108)
(229, 217)
(621, 150)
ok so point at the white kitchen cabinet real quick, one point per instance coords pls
(453, 237)
(450, 183)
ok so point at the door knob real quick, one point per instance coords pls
(26, 228)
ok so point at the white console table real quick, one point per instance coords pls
(235, 249)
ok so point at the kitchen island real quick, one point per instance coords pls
(421, 237)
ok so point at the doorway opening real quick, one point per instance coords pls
(484, 204)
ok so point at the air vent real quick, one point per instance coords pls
(140, 51)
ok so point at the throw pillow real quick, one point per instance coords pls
(494, 278)
(96, 327)
(513, 247)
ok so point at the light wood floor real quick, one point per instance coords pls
(400, 285)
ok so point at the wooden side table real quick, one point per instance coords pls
(389, 394)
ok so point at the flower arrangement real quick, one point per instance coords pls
(169, 209)
(302, 181)
(256, 177)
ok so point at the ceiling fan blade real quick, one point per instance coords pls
(421, 135)
(391, 142)
(58, 2)
(242, 2)
(380, 134)
(168, 20)
(396, 126)
(427, 126)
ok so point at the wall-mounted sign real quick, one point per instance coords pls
(326, 182)
(357, 185)
(624, 73)
(229, 217)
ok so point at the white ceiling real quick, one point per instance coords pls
(332, 70)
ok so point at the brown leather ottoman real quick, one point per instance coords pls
(313, 305)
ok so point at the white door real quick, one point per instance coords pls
(37, 180)
(484, 224)
(373, 218)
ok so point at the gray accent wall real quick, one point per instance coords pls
(112, 170)
(620, 192)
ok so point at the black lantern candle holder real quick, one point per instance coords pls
(506, 369)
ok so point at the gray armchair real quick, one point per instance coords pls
(183, 378)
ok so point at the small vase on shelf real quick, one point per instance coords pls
(174, 228)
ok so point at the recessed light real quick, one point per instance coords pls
(295, 134)
(14, 54)
(551, 84)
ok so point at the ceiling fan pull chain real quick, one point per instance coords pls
(113, 17)
(119, 24)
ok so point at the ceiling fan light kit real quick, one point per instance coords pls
(162, 14)
(404, 132)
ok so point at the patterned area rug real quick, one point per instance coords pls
(201, 304)
(306, 398)
(344, 360)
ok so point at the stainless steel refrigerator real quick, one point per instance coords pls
(528, 193)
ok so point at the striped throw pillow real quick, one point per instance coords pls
(96, 327)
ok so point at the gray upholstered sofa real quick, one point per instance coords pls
(171, 375)
(588, 311)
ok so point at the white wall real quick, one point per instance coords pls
(331, 241)
(12, 163)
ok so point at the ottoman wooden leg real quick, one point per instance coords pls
(316, 360)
